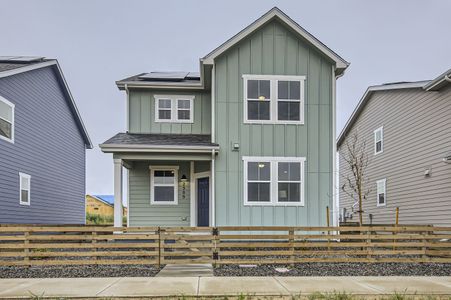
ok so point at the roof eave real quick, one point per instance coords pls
(111, 148)
(146, 85)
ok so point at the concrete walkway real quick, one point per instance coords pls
(214, 286)
(189, 270)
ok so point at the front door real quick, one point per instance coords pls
(203, 202)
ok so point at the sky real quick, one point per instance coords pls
(98, 42)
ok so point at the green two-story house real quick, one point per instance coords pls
(249, 140)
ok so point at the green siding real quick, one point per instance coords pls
(142, 213)
(142, 113)
(273, 50)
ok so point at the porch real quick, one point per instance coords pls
(169, 179)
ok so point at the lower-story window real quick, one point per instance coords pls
(273, 180)
(163, 185)
(24, 188)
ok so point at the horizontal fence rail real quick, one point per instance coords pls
(81, 245)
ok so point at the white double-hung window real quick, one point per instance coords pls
(24, 188)
(163, 185)
(6, 120)
(273, 99)
(273, 180)
(379, 140)
(174, 108)
(381, 192)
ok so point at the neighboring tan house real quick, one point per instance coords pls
(407, 129)
(42, 145)
(102, 205)
(247, 141)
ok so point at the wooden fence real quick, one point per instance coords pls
(75, 245)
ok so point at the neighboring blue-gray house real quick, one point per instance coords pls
(248, 140)
(42, 145)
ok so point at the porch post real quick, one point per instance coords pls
(117, 192)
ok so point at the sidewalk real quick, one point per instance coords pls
(214, 286)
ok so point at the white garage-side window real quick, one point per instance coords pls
(273, 99)
(381, 192)
(273, 181)
(163, 185)
(24, 188)
(6, 120)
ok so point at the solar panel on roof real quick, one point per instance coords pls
(193, 75)
(171, 76)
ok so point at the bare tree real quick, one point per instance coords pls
(356, 182)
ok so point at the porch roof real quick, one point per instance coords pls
(139, 142)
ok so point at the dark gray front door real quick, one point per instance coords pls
(203, 201)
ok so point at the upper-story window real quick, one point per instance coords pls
(273, 180)
(273, 99)
(6, 120)
(174, 108)
(379, 140)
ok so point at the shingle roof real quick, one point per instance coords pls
(190, 140)
(15, 62)
(152, 78)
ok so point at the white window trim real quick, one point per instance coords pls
(23, 175)
(384, 181)
(273, 113)
(10, 104)
(381, 130)
(174, 108)
(152, 184)
(274, 189)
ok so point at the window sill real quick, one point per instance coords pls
(25, 203)
(274, 204)
(6, 139)
(163, 203)
(275, 122)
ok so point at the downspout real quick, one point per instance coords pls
(447, 78)
(213, 203)
(213, 83)
(127, 108)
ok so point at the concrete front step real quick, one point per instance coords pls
(188, 270)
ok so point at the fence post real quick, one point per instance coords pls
(26, 249)
(159, 247)
(291, 241)
(368, 242)
(215, 231)
(94, 243)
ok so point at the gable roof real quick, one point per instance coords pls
(428, 85)
(276, 13)
(366, 97)
(107, 199)
(439, 82)
(13, 65)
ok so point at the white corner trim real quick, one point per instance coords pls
(12, 121)
(174, 108)
(154, 168)
(26, 176)
(273, 180)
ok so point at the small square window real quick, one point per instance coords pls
(174, 108)
(163, 185)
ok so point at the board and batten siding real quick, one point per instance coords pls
(48, 146)
(417, 136)
(273, 50)
(141, 212)
(142, 113)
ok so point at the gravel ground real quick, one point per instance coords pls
(339, 269)
(79, 271)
